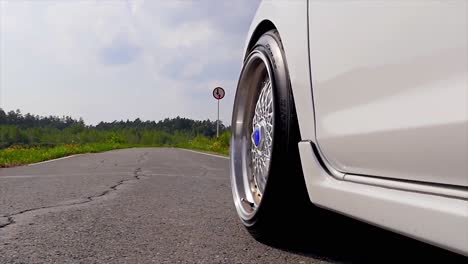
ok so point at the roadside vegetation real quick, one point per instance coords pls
(29, 138)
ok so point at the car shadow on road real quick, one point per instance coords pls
(344, 239)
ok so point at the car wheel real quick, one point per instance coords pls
(267, 182)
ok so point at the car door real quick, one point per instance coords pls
(389, 81)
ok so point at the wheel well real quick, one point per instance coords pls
(263, 27)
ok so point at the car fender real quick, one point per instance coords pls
(294, 36)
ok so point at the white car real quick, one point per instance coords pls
(360, 107)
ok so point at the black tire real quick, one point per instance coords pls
(285, 201)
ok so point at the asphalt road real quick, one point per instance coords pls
(162, 206)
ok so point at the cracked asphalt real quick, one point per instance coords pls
(162, 205)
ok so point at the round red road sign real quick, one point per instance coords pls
(218, 93)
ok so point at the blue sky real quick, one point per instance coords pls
(111, 60)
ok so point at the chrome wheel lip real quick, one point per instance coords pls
(247, 197)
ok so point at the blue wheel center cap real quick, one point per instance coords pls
(257, 136)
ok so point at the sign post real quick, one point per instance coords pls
(218, 94)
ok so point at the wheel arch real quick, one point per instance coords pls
(263, 27)
(294, 33)
(276, 14)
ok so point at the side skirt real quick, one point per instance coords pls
(411, 209)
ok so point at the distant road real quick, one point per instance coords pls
(157, 205)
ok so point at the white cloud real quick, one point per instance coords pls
(51, 59)
(188, 35)
(192, 69)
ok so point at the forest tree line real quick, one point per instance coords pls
(28, 129)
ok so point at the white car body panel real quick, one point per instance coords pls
(390, 87)
(434, 219)
(433, 214)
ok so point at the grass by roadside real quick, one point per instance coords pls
(21, 155)
(219, 146)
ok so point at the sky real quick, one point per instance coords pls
(117, 60)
